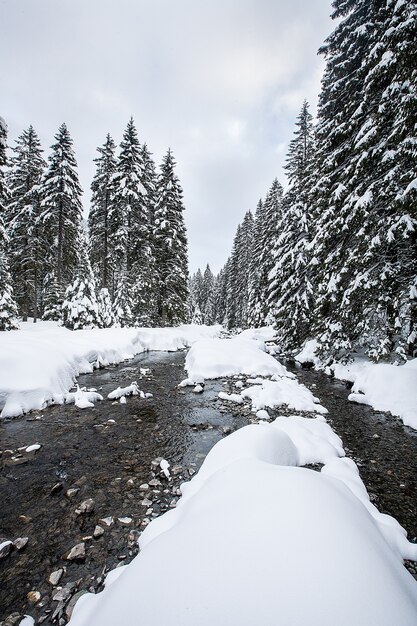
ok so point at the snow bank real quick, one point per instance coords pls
(272, 393)
(215, 358)
(39, 364)
(308, 353)
(253, 541)
(385, 387)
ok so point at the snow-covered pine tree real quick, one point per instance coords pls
(80, 308)
(238, 274)
(272, 217)
(27, 245)
(51, 298)
(62, 209)
(197, 316)
(128, 215)
(291, 292)
(98, 219)
(255, 305)
(208, 296)
(220, 297)
(149, 180)
(196, 289)
(170, 246)
(8, 306)
(105, 309)
(123, 302)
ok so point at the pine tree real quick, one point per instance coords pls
(80, 308)
(255, 305)
(27, 244)
(170, 246)
(105, 309)
(8, 306)
(290, 291)
(197, 316)
(272, 217)
(62, 209)
(128, 214)
(51, 298)
(207, 296)
(220, 297)
(196, 289)
(123, 301)
(238, 274)
(98, 220)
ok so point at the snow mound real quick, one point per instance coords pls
(215, 358)
(336, 569)
(272, 393)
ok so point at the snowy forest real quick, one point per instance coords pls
(127, 266)
(335, 255)
(332, 256)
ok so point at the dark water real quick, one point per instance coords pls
(107, 462)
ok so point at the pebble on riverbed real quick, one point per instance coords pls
(86, 507)
(77, 553)
(98, 531)
(55, 576)
(20, 543)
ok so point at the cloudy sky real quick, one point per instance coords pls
(220, 81)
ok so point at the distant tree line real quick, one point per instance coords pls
(127, 267)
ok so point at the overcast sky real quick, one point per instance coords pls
(219, 81)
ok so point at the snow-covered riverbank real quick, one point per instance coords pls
(39, 364)
(383, 386)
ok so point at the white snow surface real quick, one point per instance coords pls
(39, 363)
(385, 387)
(215, 358)
(272, 393)
(391, 388)
(257, 540)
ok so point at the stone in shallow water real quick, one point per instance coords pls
(55, 576)
(108, 521)
(70, 493)
(20, 543)
(33, 596)
(98, 531)
(85, 507)
(77, 553)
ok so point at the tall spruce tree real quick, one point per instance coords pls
(8, 306)
(100, 250)
(170, 246)
(27, 243)
(255, 306)
(62, 209)
(238, 274)
(272, 217)
(290, 291)
(80, 308)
